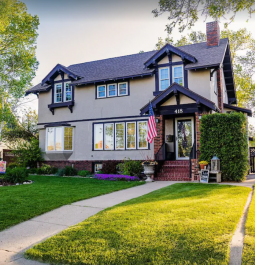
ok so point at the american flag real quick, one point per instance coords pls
(151, 130)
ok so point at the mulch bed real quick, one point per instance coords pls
(4, 182)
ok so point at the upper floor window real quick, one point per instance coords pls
(60, 95)
(164, 80)
(178, 75)
(58, 92)
(101, 91)
(112, 90)
(59, 139)
(68, 92)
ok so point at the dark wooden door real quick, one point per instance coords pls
(252, 159)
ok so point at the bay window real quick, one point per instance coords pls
(126, 135)
(59, 139)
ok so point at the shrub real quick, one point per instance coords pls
(16, 175)
(226, 136)
(60, 172)
(115, 177)
(12, 165)
(46, 170)
(32, 170)
(109, 167)
(83, 173)
(70, 171)
(130, 167)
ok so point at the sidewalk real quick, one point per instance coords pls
(17, 239)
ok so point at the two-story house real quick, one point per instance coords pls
(97, 111)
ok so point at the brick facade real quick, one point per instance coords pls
(160, 139)
(213, 33)
(220, 89)
(79, 165)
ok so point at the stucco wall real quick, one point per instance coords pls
(176, 58)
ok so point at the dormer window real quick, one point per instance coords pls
(164, 80)
(68, 92)
(58, 93)
(178, 74)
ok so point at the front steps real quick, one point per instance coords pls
(174, 171)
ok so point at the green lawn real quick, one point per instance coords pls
(249, 240)
(20, 203)
(180, 224)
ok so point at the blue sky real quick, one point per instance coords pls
(75, 31)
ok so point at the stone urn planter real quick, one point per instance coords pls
(149, 169)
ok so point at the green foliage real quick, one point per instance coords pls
(184, 14)
(109, 167)
(70, 171)
(84, 173)
(28, 153)
(46, 170)
(16, 175)
(12, 165)
(60, 172)
(130, 167)
(18, 34)
(226, 136)
(32, 170)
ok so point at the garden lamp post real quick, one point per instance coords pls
(215, 163)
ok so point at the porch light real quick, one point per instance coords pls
(215, 163)
(157, 120)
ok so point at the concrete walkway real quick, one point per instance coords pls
(17, 239)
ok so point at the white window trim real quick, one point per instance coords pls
(127, 135)
(63, 140)
(55, 93)
(120, 95)
(176, 133)
(98, 149)
(178, 76)
(138, 136)
(215, 88)
(98, 91)
(108, 95)
(65, 92)
(160, 79)
(104, 141)
(116, 137)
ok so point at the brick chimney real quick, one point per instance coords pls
(213, 34)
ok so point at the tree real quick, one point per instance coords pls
(184, 13)
(17, 131)
(18, 34)
(241, 41)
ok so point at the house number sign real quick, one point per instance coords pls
(178, 111)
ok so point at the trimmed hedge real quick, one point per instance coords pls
(226, 136)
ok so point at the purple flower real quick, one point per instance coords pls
(115, 177)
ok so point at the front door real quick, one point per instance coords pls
(184, 135)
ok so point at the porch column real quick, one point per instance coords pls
(160, 139)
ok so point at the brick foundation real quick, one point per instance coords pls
(159, 140)
(194, 169)
(79, 165)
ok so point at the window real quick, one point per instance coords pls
(58, 92)
(98, 136)
(98, 167)
(59, 139)
(178, 75)
(131, 135)
(109, 136)
(112, 90)
(68, 92)
(120, 136)
(122, 89)
(101, 91)
(142, 135)
(164, 81)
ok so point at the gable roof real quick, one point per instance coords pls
(129, 66)
(171, 90)
(165, 51)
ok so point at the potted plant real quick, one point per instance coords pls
(149, 168)
(202, 164)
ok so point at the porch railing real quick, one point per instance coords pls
(161, 154)
(192, 155)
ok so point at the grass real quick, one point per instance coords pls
(249, 240)
(20, 203)
(180, 224)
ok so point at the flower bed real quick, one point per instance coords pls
(115, 177)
